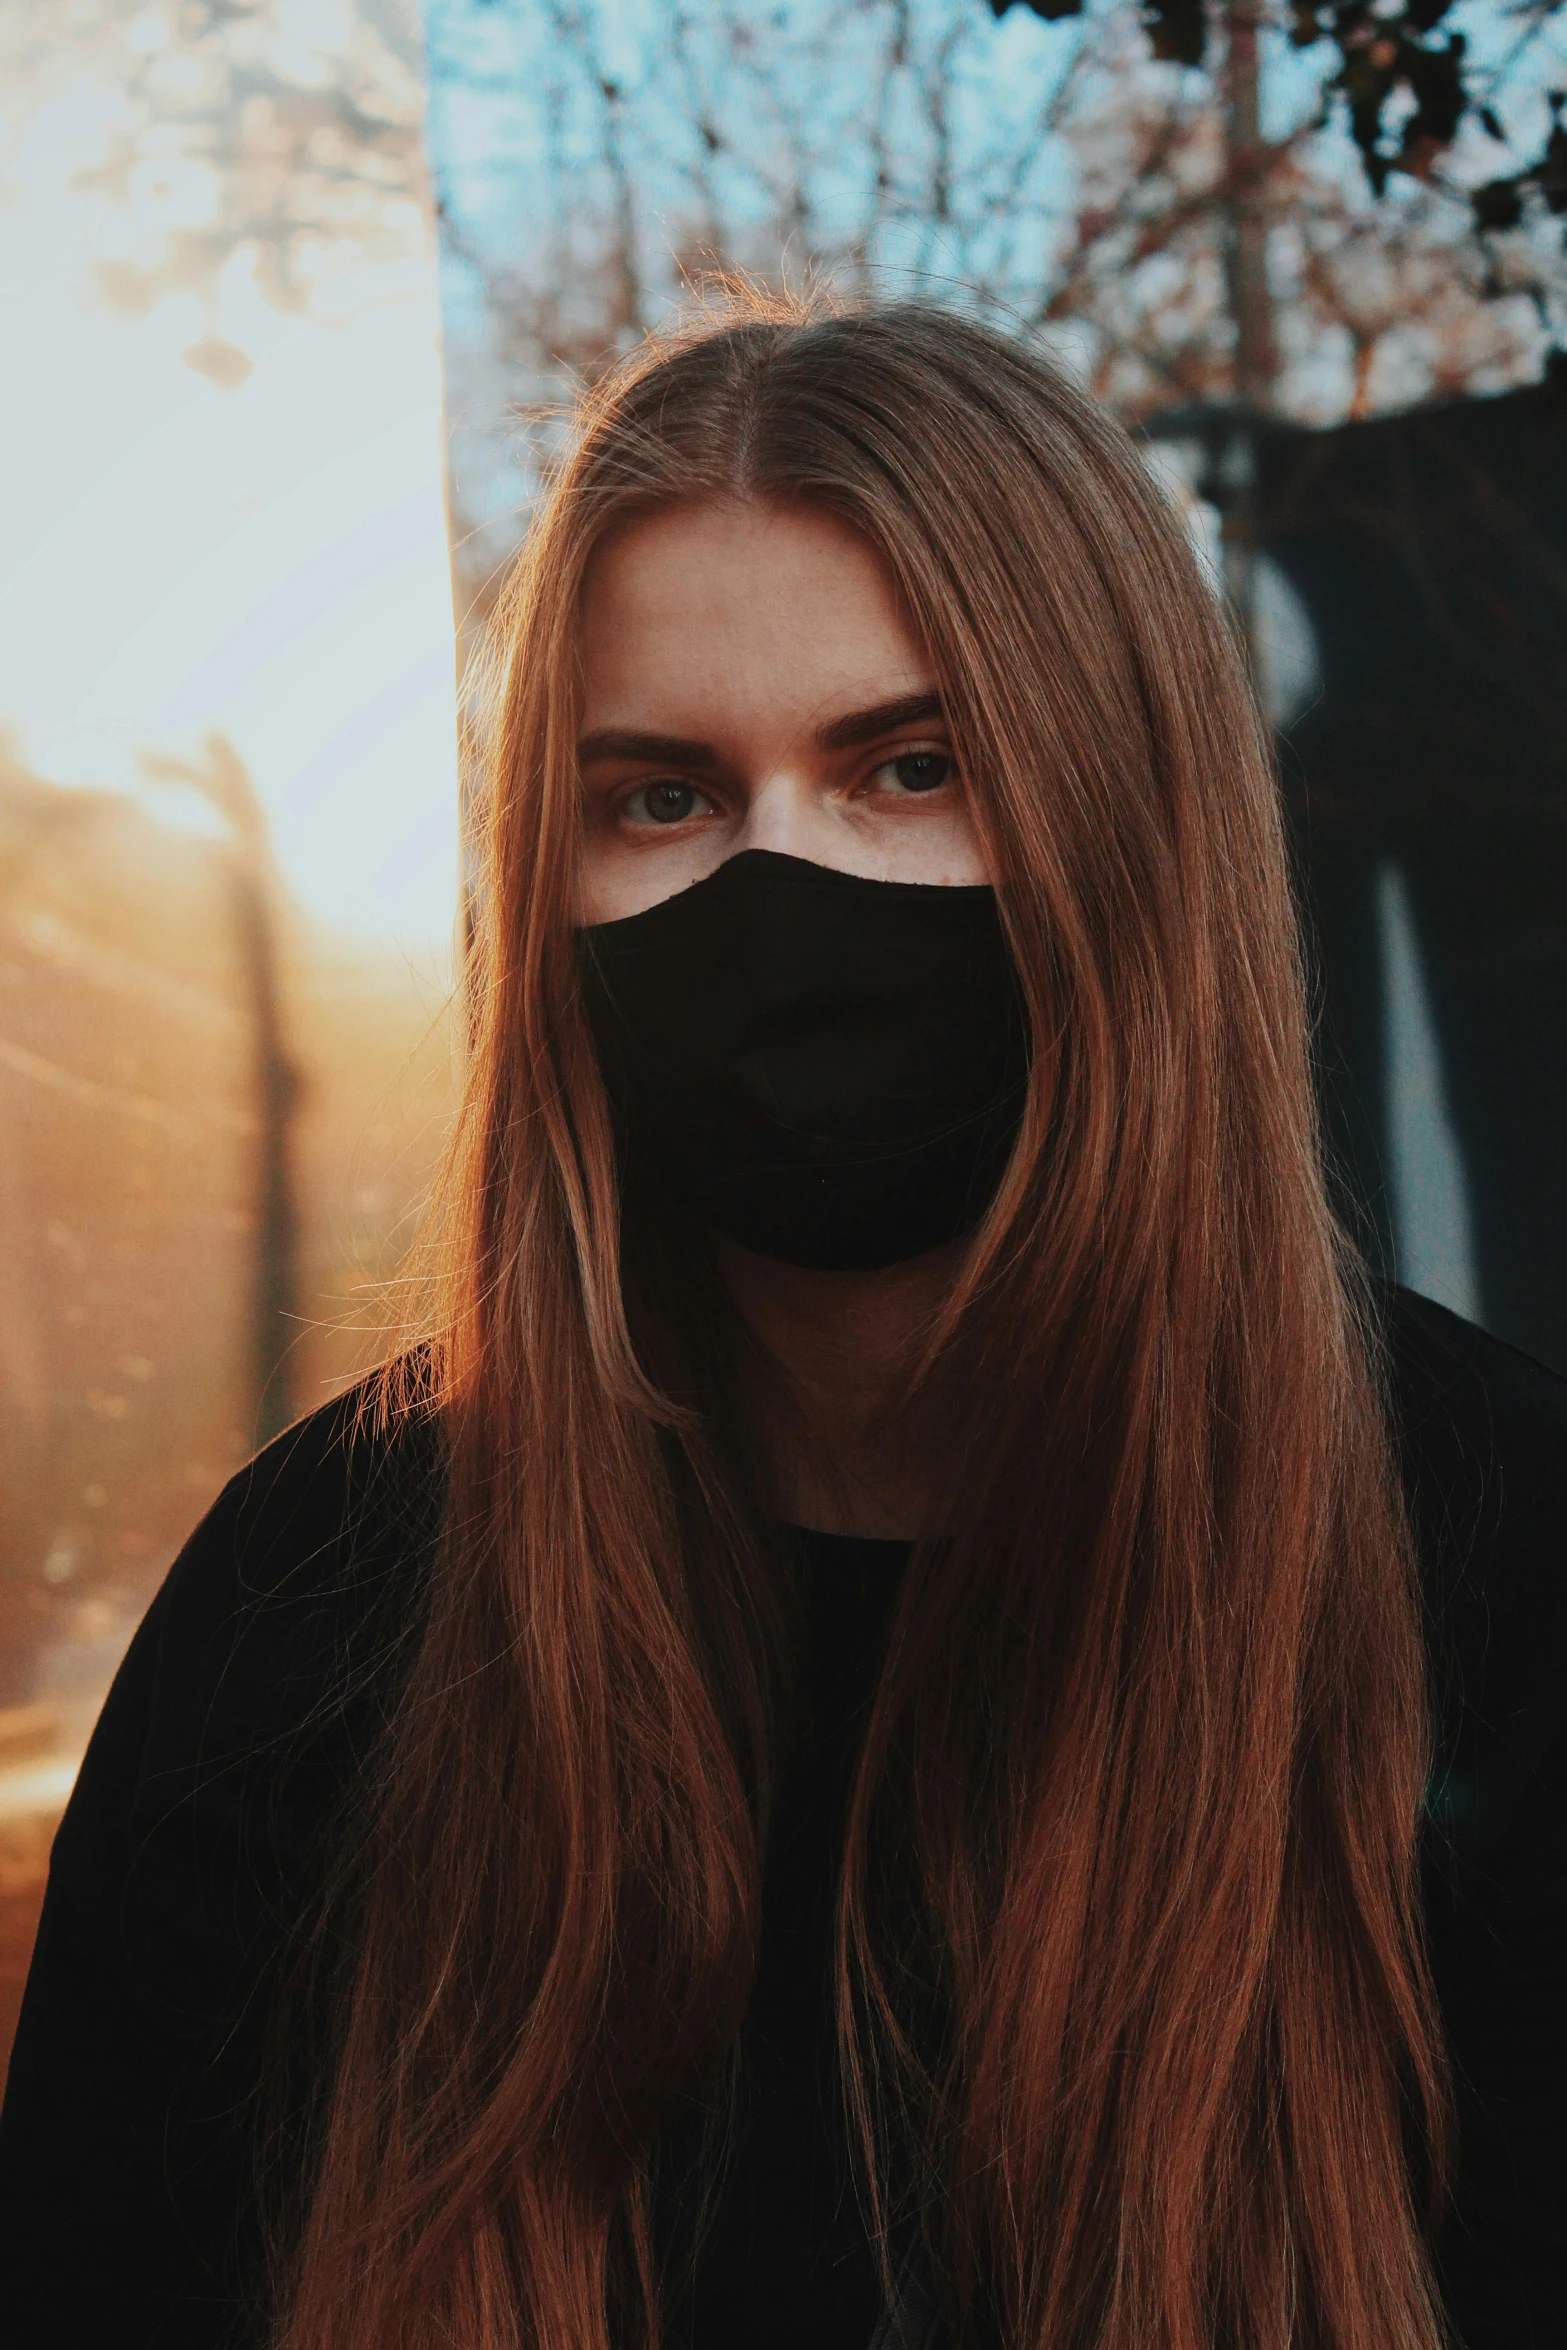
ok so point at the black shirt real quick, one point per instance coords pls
(788, 2261)
(257, 1683)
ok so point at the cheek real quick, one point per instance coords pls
(957, 847)
(605, 886)
(600, 863)
(616, 878)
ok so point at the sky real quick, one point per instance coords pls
(269, 559)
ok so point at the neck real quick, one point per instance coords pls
(843, 1455)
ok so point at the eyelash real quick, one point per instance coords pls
(681, 783)
(918, 751)
(663, 783)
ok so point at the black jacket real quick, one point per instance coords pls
(260, 1675)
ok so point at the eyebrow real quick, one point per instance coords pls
(867, 726)
(623, 742)
(848, 733)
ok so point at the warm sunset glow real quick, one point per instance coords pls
(228, 800)
(232, 522)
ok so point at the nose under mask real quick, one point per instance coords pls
(829, 1070)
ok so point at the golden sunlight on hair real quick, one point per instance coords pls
(1159, 1889)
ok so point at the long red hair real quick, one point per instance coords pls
(1132, 2004)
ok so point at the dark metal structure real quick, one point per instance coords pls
(1429, 551)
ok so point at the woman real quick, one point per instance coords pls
(849, 1732)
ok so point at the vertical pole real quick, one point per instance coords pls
(1244, 223)
(1246, 161)
(275, 1301)
(224, 782)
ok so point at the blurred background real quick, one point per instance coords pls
(1311, 250)
(227, 789)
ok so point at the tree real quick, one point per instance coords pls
(1191, 210)
(1406, 86)
(1325, 207)
(234, 129)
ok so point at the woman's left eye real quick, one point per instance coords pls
(667, 802)
(915, 771)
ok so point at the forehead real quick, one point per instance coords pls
(768, 603)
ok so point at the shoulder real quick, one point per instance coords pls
(306, 1569)
(1482, 1434)
(258, 1678)
(196, 1842)
(308, 1562)
(1466, 1399)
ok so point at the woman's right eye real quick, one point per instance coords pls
(665, 803)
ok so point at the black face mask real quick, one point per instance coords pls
(829, 1070)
